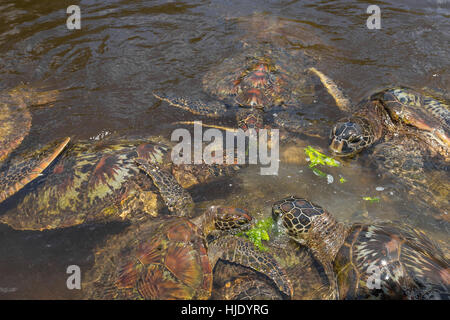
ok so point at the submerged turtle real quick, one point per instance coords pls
(411, 134)
(171, 258)
(16, 171)
(99, 181)
(364, 261)
(306, 275)
(264, 82)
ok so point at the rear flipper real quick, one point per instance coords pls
(177, 199)
(240, 251)
(205, 108)
(21, 172)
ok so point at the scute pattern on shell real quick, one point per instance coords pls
(409, 265)
(162, 259)
(90, 183)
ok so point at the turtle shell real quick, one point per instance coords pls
(261, 77)
(420, 111)
(15, 123)
(15, 117)
(159, 259)
(236, 282)
(94, 182)
(404, 261)
(90, 182)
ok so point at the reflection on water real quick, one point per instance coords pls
(107, 71)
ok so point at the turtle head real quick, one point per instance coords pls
(348, 137)
(230, 220)
(296, 216)
(310, 225)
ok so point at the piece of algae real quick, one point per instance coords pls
(259, 232)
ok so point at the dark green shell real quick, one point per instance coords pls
(407, 264)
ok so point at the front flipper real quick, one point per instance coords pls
(22, 171)
(342, 101)
(177, 199)
(213, 109)
(240, 251)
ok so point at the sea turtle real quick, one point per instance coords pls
(263, 84)
(367, 261)
(410, 133)
(99, 181)
(306, 275)
(17, 170)
(173, 257)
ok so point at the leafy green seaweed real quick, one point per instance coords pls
(371, 199)
(316, 157)
(259, 232)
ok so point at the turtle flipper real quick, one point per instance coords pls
(177, 199)
(342, 101)
(21, 172)
(240, 251)
(211, 108)
(293, 122)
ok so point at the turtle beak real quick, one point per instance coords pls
(336, 146)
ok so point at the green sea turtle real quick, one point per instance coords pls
(367, 261)
(17, 170)
(173, 257)
(99, 181)
(263, 86)
(307, 277)
(408, 132)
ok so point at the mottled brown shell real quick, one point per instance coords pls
(408, 264)
(262, 77)
(164, 259)
(90, 182)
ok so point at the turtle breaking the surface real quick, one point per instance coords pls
(409, 132)
(16, 171)
(365, 261)
(100, 182)
(171, 258)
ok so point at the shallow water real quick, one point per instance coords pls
(106, 73)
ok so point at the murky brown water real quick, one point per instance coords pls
(106, 73)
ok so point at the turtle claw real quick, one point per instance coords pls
(21, 172)
(177, 199)
(198, 107)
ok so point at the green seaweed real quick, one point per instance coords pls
(259, 232)
(342, 180)
(371, 199)
(318, 158)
